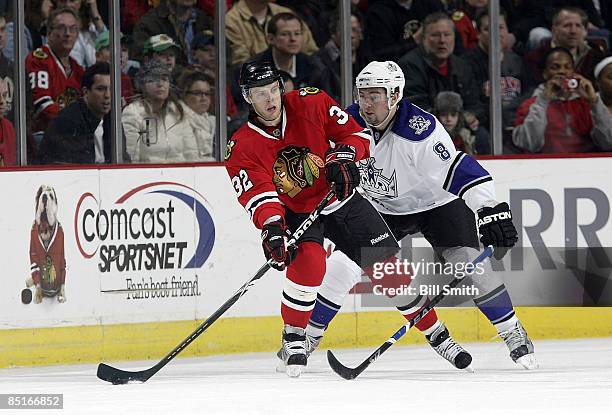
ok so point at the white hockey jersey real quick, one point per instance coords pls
(414, 167)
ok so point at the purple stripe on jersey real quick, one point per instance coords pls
(466, 172)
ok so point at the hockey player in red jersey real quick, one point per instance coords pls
(55, 78)
(281, 164)
(277, 168)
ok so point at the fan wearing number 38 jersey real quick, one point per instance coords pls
(55, 77)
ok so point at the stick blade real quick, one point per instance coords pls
(121, 377)
(343, 371)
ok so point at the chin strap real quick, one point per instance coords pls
(383, 124)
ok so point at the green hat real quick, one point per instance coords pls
(103, 40)
(158, 43)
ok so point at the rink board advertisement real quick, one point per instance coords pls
(92, 251)
(139, 245)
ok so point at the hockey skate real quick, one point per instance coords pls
(520, 346)
(293, 351)
(311, 344)
(445, 346)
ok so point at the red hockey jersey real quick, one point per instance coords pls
(280, 167)
(52, 90)
(48, 265)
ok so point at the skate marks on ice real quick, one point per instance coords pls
(575, 376)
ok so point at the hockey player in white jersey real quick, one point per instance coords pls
(420, 183)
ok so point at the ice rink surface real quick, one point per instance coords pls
(575, 376)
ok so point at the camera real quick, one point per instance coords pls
(569, 84)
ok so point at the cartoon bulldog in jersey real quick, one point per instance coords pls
(47, 259)
(295, 169)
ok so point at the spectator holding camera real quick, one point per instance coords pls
(156, 128)
(569, 31)
(559, 117)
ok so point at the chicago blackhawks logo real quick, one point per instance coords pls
(229, 148)
(67, 97)
(309, 90)
(295, 169)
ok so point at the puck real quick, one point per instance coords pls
(26, 296)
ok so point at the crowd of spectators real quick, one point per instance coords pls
(556, 70)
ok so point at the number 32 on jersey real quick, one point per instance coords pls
(241, 182)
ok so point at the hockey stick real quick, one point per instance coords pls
(118, 376)
(351, 373)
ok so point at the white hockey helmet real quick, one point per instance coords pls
(386, 75)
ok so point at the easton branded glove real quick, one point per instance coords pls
(496, 228)
(273, 241)
(340, 169)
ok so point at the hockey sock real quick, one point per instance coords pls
(428, 323)
(341, 275)
(497, 307)
(304, 275)
(324, 311)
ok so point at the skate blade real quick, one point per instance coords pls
(280, 367)
(294, 371)
(469, 369)
(528, 361)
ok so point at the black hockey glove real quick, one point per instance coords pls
(496, 228)
(340, 169)
(273, 240)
